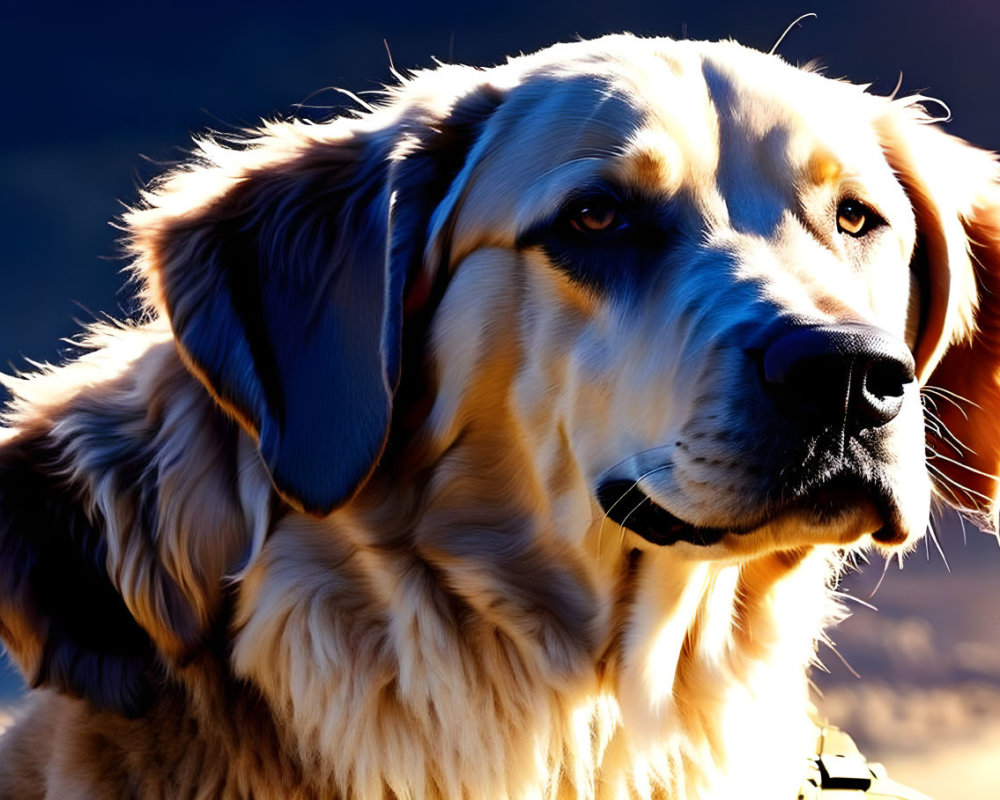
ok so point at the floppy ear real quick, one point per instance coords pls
(123, 506)
(125, 497)
(282, 267)
(955, 194)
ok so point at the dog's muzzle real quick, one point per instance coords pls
(828, 384)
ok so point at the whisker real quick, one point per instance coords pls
(607, 513)
(936, 471)
(932, 535)
(635, 483)
(953, 498)
(966, 466)
(818, 663)
(928, 397)
(829, 643)
(947, 394)
(955, 501)
(858, 600)
(885, 570)
(629, 514)
(645, 475)
(944, 433)
(788, 30)
(639, 454)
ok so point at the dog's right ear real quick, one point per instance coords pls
(954, 189)
(282, 266)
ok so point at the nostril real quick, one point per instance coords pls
(886, 378)
(846, 374)
(881, 389)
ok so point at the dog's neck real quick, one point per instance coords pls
(658, 663)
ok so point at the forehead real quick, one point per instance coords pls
(725, 125)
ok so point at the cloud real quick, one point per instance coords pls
(981, 657)
(887, 719)
(908, 650)
(928, 701)
(943, 741)
(903, 649)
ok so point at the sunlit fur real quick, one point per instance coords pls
(440, 608)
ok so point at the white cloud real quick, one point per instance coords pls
(941, 740)
(965, 770)
(886, 718)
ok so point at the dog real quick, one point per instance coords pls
(502, 440)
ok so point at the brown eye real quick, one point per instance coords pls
(856, 219)
(595, 216)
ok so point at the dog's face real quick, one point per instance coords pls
(708, 283)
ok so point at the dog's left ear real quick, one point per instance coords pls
(955, 192)
(282, 266)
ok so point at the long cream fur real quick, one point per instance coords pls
(458, 617)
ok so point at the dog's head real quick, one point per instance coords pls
(684, 291)
(714, 284)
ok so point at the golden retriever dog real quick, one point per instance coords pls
(500, 441)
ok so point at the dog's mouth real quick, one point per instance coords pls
(846, 500)
(628, 505)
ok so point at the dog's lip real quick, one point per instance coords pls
(629, 506)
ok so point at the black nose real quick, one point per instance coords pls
(852, 374)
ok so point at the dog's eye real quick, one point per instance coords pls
(607, 238)
(856, 219)
(595, 214)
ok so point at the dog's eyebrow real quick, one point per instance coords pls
(649, 168)
(824, 167)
